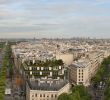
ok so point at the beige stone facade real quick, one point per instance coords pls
(66, 58)
(83, 70)
(45, 95)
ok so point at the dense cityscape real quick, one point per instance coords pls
(54, 49)
(55, 69)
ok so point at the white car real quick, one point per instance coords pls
(7, 91)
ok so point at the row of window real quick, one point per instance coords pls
(80, 70)
(45, 95)
(44, 73)
(80, 80)
(40, 99)
(80, 77)
(80, 73)
(44, 68)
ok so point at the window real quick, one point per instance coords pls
(55, 96)
(52, 95)
(44, 95)
(33, 95)
(80, 83)
(79, 79)
(79, 70)
(82, 79)
(40, 95)
(79, 76)
(36, 95)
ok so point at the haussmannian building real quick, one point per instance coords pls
(45, 80)
(83, 70)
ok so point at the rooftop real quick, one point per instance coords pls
(81, 63)
(34, 85)
(44, 63)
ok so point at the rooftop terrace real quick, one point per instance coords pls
(45, 63)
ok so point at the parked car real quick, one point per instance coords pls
(7, 91)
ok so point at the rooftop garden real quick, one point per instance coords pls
(47, 63)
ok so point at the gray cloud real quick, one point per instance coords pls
(54, 18)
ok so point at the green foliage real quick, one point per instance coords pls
(78, 93)
(107, 90)
(4, 71)
(2, 44)
(104, 71)
(63, 96)
(2, 80)
(107, 93)
(76, 96)
(47, 63)
(108, 81)
(97, 78)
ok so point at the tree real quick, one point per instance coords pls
(64, 96)
(76, 96)
(97, 78)
(11, 72)
(108, 81)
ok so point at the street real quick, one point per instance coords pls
(97, 90)
(11, 84)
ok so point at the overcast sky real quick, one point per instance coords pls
(54, 18)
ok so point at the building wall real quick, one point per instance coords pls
(66, 58)
(83, 75)
(73, 75)
(95, 63)
(45, 95)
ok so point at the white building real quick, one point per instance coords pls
(34, 92)
(65, 57)
(83, 70)
(79, 72)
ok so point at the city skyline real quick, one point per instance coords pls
(54, 18)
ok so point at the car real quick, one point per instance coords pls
(7, 91)
(103, 88)
(104, 84)
(100, 86)
(101, 83)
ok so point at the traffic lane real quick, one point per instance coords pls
(8, 97)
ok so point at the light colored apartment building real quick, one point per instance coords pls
(50, 93)
(79, 72)
(67, 58)
(83, 70)
(45, 80)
